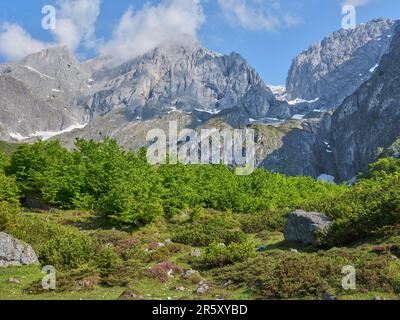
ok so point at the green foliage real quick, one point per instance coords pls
(61, 246)
(218, 255)
(365, 208)
(7, 215)
(382, 168)
(68, 251)
(282, 275)
(107, 260)
(205, 231)
(258, 222)
(127, 190)
(4, 161)
(48, 170)
(8, 189)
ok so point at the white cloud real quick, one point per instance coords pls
(76, 22)
(16, 43)
(355, 3)
(256, 15)
(75, 26)
(171, 21)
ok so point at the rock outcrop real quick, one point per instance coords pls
(15, 253)
(368, 121)
(304, 226)
(332, 69)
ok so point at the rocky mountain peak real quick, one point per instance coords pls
(335, 67)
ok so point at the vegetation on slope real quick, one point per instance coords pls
(112, 224)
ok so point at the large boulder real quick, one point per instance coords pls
(15, 253)
(304, 226)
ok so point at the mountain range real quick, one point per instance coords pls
(337, 113)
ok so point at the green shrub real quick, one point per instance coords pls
(258, 222)
(4, 161)
(8, 212)
(207, 230)
(368, 206)
(8, 189)
(282, 275)
(80, 279)
(68, 251)
(107, 260)
(380, 274)
(218, 255)
(126, 274)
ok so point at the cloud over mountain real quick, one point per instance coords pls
(171, 21)
(138, 31)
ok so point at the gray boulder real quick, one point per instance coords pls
(15, 253)
(303, 226)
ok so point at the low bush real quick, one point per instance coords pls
(8, 189)
(8, 212)
(208, 230)
(107, 261)
(218, 255)
(367, 207)
(126, 275)
(286, 275)
(164, 270)
(68, 251)
(80, 279)
(258, 222)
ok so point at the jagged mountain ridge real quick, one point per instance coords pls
(176, 79)
(332, 69)
(345, 141)
(51, 92)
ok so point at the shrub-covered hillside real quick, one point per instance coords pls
(116, 227)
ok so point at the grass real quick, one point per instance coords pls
(28, 274)
(149, 288)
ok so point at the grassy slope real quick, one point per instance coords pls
(151, 288)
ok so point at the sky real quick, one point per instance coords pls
(267, 33)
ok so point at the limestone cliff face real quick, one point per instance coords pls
(369, 120)
(345, 141)
(43, 92)
(52, 91)
(332, 69)
(184, 79)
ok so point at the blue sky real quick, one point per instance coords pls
(268, 33)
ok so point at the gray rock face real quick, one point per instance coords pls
(45, 92)
(335, 67)
(185, 79)
(15, 253)
(369, 120)
(303, 226)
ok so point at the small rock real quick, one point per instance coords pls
(222, 245)
(180, 289)
(196, 253)
(261, 249)
(394, 258)
(189, 273)
(203, 288)
(13, 280)
(160, 244)
(294, 251)
(168, 241)
(170, 273)
(378, 298)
